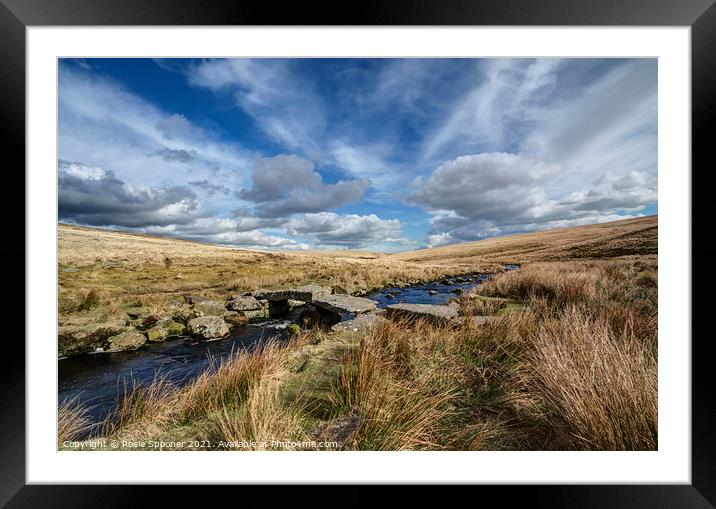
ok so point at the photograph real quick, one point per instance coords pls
(357, 254)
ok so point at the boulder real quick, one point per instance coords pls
(179, 311)
(433, 292)
(430, 312)
(175, 329)
(145, 320)
(78, 339)
(234, 318)
(360, 323)
(304, 293)
(156, 334)
(129, 340)
(248, 303)
(164, 330)
(256, 314)
(208, 327)
(210, 308)
(338, 303)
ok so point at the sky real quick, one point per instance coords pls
(372, 154)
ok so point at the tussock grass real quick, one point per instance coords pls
(72, 421)
(576, 370)
(136, 404)
(598, 383)
(398, 409)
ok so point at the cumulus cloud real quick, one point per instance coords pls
(348, 230)
(246, 220)
(94, 196)
(287, 184)
(616, 192)
(492, 186)
(482, 195)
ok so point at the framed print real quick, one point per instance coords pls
(412, 247)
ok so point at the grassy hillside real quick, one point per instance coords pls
(605, 240)
(123, 266)
(126, 265)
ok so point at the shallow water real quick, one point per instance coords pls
(96, 380)
(433, 292)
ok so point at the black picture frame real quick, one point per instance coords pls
(700, 15)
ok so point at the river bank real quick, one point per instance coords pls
(99, 380)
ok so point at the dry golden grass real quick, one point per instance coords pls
(72, 421)
(599, 384)
(573, 368)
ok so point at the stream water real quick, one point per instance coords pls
(97, 380)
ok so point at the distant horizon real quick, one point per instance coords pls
(381, 155)
(168, 237)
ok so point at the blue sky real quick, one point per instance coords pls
(377, 154)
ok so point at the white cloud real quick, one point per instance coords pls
(439, 239)
(348, 230)
(282, 102)
(287, 184)
(506, 92)
(477, 196)
(371, 162)
(104, 125)
(492, 186)
(94, 196)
